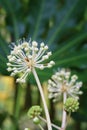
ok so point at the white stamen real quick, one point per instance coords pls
(26, 56)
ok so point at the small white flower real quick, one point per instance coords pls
(25, 56)
(62, 82)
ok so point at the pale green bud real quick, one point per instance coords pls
(71, 105)
(36, 120)
(34, 111)
(26, 129)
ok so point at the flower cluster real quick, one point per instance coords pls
(71, 105)
(27, 55)
(62, 82)
(34, 113)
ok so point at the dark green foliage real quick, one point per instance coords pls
(62, 24)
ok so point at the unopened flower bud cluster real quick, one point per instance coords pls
(71, 105)
(34, 111)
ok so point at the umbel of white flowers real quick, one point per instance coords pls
(27, 55)
(62, 82)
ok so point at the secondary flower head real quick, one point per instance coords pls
(62, 82)
(71, 105)
(27, 55)
(34, 113)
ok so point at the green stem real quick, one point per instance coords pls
(53, 125)
(40, 127)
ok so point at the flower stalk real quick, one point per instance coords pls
(53, 125)
(40, 127)
(63, 126)
(43, 99)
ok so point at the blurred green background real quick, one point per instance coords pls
(62, 25)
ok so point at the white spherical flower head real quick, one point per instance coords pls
(62, 82)
(27, 55)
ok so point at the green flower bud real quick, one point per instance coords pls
(26, 129)
(71, 105)
(36, 120)
(34, 111)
